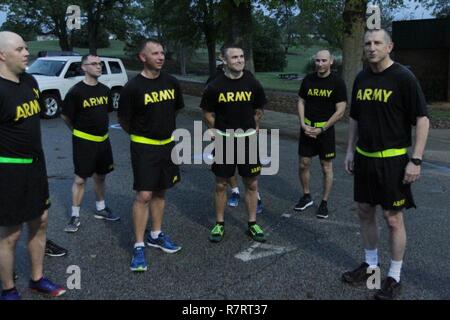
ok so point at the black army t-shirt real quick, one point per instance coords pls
(386, 105)
(150, 105)
(87, 107)
(20, 106)
(234, 101)
(321, 96)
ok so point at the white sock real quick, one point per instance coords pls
(155, 234)
(139, 244)
(235, 190)
(259, 198)
(395, 269)
(372, 257)
(100, 205)
(75, 211)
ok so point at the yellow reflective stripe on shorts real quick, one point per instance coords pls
(144, 140)
(16, 160)
(90, 137)
(383, 154)
(315, 124)
(236, 135)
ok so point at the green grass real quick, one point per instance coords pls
(115, 49)
(439, 113)
(297, 59)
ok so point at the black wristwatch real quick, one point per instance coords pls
(416, 161)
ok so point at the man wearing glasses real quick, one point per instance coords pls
(85, 111)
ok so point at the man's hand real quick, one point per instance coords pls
(312, 132)
(349, 162)
(412, 173)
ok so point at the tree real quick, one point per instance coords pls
(286, 18)
(28, 32)
(269, 54)
(441, 8)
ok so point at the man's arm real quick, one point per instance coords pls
(340, 109)
(125, 125)
(301, 117)
(67, 121)
(412, 171)
(258, 116)
(351, 143)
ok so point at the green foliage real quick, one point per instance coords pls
(268, 51)
(80, 38)
(28, 32)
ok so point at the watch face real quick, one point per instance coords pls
(417, 162)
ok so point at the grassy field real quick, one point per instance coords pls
(297, 59)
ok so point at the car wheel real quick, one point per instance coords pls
(52, 106)
(115, 93)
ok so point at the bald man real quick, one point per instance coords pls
(24, 194)
(322, 101)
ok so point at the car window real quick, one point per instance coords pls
(51, 68)
(74, 70)
(115, 67)
(104, 71)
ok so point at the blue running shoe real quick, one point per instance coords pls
(47, 287)
(163, 242)
(10, 295)
(233, 201)
(138, 262)
(259, 207)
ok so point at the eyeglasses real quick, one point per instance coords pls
(93, 64)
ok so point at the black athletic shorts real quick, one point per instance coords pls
(246, 159)
(91, 157)
(379, 181)
(24, 194)
(153, 168)
(324, 145)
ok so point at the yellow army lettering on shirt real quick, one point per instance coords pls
(235, 96)
(36, 93)
(95, 101)
(159, 96)
(320, 93)
(27, 109)
(368, 94)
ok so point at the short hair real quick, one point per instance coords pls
(387, 35)
(144, 42)
(329, 52)
(227, 46)
(86, 56)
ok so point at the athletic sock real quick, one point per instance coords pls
(372, 257)
(100, 205)
(75, 211)
(155, 234)
(395, 269)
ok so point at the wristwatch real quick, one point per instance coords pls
(416, 161)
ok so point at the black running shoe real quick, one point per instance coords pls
(303, 203)
(53, 250)
(358, 275)
(390, 289)
(322, 211)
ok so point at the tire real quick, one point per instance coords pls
(115, 93)
(52, 106)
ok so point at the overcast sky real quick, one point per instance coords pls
(409, 13)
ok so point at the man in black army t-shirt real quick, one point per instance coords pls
(386, 101)
(322, 101)
(24, 193)
(85, 111)
(234, 100)
(147, 111)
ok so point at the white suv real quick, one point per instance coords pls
(56, 75)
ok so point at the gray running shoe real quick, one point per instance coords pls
(73, 225)
(106, 214)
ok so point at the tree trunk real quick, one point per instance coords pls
(354, 16)
(182, 59)
(64, 40)
(241, 29)
(211, 45)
